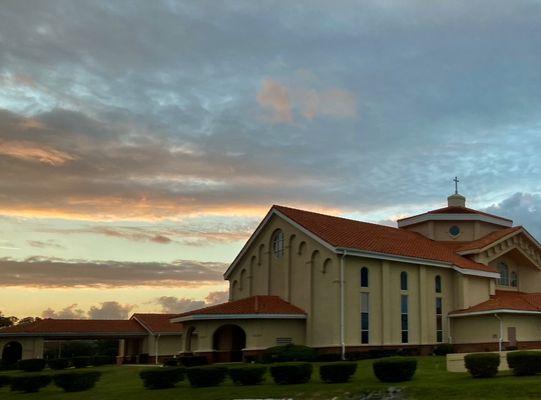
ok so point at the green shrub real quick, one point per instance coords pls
(482, 365)
(32, 365)
(291, 373)
(395, 369)
(76, 381)
(206, 376)
(82, 361)
(58, 363)
(103, 360)
(4, 380)
(524, 362)
(337, 372)
(193, 361)
(171, 362)
(247, 375)
(288, 353)
(29, 383)
(161, 378)
(443, 349)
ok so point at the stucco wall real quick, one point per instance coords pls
(32, 347)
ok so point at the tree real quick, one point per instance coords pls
(28, 320)
(6, 321)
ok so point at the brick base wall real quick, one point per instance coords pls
(493, 346)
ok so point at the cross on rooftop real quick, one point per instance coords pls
(456, 184)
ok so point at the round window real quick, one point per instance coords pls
(454, 230)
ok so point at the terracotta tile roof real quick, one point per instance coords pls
(351, 234)
(506, 300)
(488, 239)
(456, 210)
(159, 323)
(249, 305)
(77, 326)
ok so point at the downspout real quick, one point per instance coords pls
(342, 313)
(500, 340)
(156, 345)
(449, 330)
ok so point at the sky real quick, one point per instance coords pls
(141, 142)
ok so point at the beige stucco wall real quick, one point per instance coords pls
(439, 230)
(167, 345)
(486, 328)
(32, 347)
(260, 334)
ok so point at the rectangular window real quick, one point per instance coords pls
(404, 317)
(439, 320)
(365, 318)
(283, 340)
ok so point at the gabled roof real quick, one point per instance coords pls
(76, 327)
(487, 240)
(158, 323)
(455, 213)
(505, 302)
(250, 307)
(345, 233)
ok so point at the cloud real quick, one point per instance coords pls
(110, 310)
(523, 209)
(29, 151)
(172, 305)
(69, 312)
(106, 310)
(51, 272)
(40, 244)
(274, 97)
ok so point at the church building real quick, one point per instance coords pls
(451, 275)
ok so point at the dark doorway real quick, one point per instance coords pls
(228, 342)
(512, 336)
(12, 352)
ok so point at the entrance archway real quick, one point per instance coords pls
(12, 352)
(228, 342)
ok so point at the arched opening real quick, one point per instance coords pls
(191, 340)
(12, 352)
(228, 342)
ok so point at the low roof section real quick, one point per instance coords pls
(159, 324)
(504, 302)
(254, 307)
(76, 329)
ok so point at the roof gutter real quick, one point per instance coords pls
(492, 312)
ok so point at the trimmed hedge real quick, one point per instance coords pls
(288, 353)
(206, 376)
(82, 361)
(395, 369)
(192, 361)
(29, 383)
(247, 375)
(102, 360)
(443, 349)
(76, 381)
(4, 380)
(32, 365)
(337, 372)
(292, 373)
(161, 378)
(524, 362)
(58, 363)
(171, 362)
(482, 365)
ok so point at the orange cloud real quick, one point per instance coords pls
(274, 97)
(29, 151)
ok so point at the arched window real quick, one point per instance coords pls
(514, 279)
(437, 283)
(364, 277)
(403, 280)
(278, 244)
(302, 248)
(503, 270)
(242, 279)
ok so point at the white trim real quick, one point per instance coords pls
(491, 312)
(206, 317)
(454, 217)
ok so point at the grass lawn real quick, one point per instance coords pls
(431, 381)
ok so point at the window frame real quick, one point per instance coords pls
(404, 281)
(365, 277)
(277, 244)
(503, 270)
(404, 318)
(365, 317)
